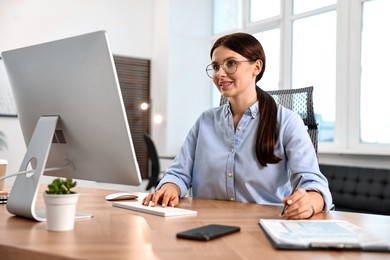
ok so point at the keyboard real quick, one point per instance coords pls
(157, 210)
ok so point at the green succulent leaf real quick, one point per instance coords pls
(61, 186)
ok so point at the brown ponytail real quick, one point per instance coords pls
(267, 132)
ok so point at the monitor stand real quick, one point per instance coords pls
(22, 197)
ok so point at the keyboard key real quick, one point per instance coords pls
(157, 210)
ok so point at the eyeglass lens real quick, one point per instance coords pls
(229, 66)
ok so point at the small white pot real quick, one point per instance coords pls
(60, 211)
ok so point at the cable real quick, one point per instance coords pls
(66, 164)
(16, 174)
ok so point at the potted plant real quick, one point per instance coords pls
(61, 203)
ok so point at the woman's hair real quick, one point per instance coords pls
(244, 44)
(267, 132)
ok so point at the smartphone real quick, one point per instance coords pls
(208, 232)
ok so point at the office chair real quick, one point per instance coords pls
(299, 100)
(155, 161)
(153, 156)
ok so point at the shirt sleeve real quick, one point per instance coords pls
(180, 171)
(301, 156)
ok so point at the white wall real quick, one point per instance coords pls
(128, 22)
(27, 22)
(188, 90)
(172, 33)
(15, 145)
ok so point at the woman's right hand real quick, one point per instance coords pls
(167, 195)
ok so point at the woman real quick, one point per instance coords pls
(248, 150)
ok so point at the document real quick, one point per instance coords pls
(321, 234)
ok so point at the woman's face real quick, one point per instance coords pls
(240, 82)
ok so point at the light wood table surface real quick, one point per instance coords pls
(115, 233)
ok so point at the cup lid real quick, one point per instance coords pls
(3, 161)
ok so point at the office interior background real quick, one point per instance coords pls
(337, 46)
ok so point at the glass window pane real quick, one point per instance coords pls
(263, 9)
(314, 63)
(301, 6)
(227, 15)
(375, 82)
(270, 40)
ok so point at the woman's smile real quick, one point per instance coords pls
(225, 85)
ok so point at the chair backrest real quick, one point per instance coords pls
(153, 155)
(299, 100)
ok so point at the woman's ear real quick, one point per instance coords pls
(258, 67)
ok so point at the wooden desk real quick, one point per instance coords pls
(116, 233)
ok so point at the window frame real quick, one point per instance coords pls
(348, 68)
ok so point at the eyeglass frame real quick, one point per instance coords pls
(224, 67)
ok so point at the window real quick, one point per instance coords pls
(375, 82)
(301, 6)
(314, 64)
(263, 9)
(338, 47)
(270, 40)
(229, 15)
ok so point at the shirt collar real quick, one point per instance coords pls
(253, 110)
(227, 108)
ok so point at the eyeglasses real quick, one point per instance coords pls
(229, 66)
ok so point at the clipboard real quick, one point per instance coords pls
(321, 235)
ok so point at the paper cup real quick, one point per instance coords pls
(3, 167)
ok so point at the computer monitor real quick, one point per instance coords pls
(72, 116)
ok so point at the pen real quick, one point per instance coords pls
(296, 186)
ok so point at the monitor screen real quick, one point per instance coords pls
(72, 83)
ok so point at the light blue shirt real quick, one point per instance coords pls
(220, 163)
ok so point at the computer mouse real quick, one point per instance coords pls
(121, 196)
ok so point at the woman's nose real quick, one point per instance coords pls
(220, 72)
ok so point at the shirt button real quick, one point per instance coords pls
(238, 128)
(254, 114)
(230, 174)
(232, 151)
